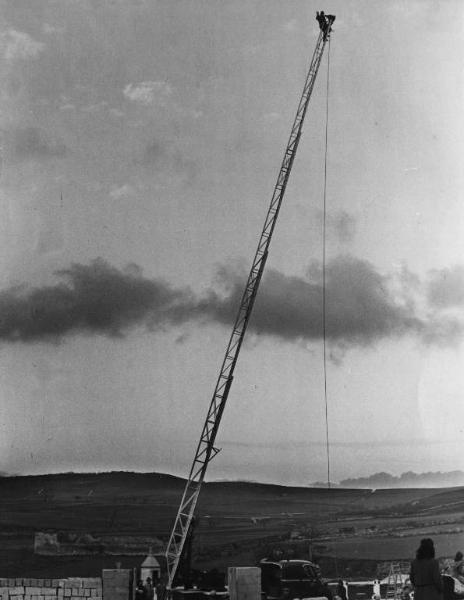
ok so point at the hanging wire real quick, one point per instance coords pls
(324, 227)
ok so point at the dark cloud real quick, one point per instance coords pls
(32, 142)
(443, 330)
(446, 287)
(340, 225)
(95, 298)
(165, 155)
(361, 309)
(154, 152)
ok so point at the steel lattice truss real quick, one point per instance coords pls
(206, 450)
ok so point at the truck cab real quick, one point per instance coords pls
(288, 579)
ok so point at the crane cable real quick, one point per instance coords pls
(324, 227)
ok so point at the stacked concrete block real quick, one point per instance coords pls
(244, 583)
(51, 589)
(80, 588)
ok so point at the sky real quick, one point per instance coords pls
(140, 145)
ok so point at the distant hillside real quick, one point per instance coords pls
(238, 523)
(405, 480)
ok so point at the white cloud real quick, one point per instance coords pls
(115, 112)
(92, 108)
(147, 92)
(291, 25)
(123, 191)
(272, 116)
(196, 114)
(19, 45)
(51, 29)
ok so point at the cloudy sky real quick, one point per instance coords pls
(140, 146)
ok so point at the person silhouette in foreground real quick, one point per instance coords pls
(457, 568)
(425, 573)
(149, 589)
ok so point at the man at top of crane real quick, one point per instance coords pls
(325, 22)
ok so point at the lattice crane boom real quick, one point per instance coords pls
(206, 450)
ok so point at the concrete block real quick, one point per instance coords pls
(81, 592)
(56, 582)
(244, 583)
(17, 597)
(67, 592)
(40, 582)
(18, 582)
(35, 591)
(27, 597)
(49, 591)
(16, 590)
(74, 582)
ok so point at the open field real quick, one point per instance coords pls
(239, 523)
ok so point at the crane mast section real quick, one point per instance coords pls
(206, 450)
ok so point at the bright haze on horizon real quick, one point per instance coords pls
(140, 147)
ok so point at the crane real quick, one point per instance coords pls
(206, 449)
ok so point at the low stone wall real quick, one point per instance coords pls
(72, 588)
